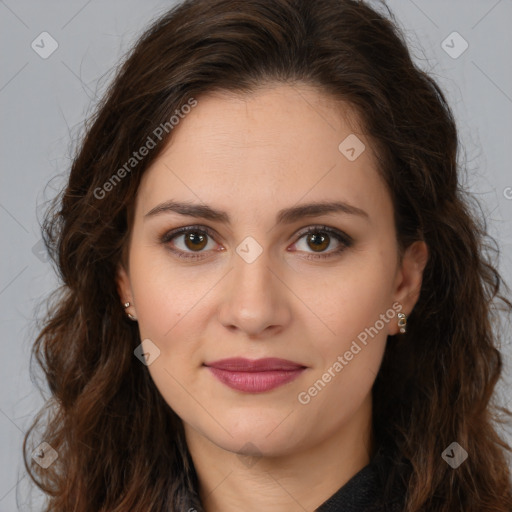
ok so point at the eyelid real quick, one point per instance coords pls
(344, 239)
(326, 229)
(173, 233)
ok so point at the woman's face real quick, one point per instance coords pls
(249, 282)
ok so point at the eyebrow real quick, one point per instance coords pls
(285, 216)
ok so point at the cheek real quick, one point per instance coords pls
(347, 362)
(166, 293)
(352, 297)
(356, 310)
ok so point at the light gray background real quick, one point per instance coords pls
(44, 101)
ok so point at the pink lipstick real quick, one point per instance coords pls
(255, 376)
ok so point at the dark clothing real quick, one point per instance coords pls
(364, 491)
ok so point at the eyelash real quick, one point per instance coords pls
(345, 240)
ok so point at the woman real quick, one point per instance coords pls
(275, 293)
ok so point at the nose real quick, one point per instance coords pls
(254, 298)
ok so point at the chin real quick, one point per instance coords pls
(256, 447)
(256, 438)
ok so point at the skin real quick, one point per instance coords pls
(252, 156)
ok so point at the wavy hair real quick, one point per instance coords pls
(120, 445)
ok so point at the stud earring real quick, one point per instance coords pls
(131, 317)
(402, 322)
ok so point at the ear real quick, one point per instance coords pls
(125, 292)
(124, 288)
(409, 277)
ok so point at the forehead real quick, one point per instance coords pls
(265, 150)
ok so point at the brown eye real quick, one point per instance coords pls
(194, 240)
(188, 242)
(319, 241)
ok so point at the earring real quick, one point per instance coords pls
(131, 317)
(402, 322)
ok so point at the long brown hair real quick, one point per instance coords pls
(120, 445)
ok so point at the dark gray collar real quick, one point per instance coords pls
(364, 491)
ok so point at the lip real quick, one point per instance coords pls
(255, 376)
